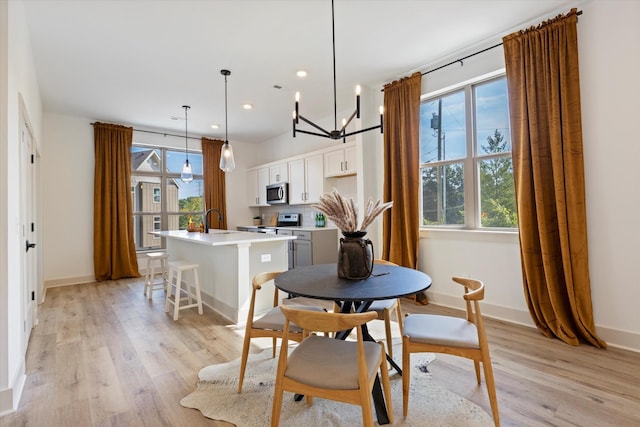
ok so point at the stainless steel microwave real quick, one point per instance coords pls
(278, 194)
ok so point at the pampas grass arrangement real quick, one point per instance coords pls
(344, 212)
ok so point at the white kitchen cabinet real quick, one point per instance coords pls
(306, 180)
(257, 181)
(340, 162)
(278, 173)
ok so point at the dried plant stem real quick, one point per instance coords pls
(344, 213)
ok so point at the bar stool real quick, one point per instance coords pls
(174, 289)
(151, 283)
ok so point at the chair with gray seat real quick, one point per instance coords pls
(464, 337)
(270, 324)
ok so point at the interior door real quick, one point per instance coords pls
(27, 214)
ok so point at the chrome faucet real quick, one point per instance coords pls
(206, 215)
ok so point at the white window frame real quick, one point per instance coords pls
(471, 163)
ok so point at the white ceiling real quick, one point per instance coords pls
(137, 62)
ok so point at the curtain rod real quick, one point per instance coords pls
(161, 133)
(578, 13)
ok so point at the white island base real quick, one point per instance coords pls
(228, 261)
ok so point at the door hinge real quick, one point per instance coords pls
(32, 159)
(33, 227)
(33, 295)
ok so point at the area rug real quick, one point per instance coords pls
(216, 397)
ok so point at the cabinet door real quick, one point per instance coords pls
(334, 163)
(252, 188)
(350, 160)
(278, 173)
(296, 182)
(302, 253)
(263, 181)
(314, 178)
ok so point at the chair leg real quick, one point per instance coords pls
(476, 366)
(277, 405)
(386, 386)
(399, 316)
(273, 347)
(243, 360)
(365, 403)
(387, 330)
(406, 375)
(491, 388)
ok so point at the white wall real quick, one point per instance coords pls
(18, 81)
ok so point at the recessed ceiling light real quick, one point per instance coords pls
(301, 73)
(247, 106)
(215, 126)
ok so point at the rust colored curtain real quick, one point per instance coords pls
(400, 225)
(546, 129)
(215, 195)
(114, 250)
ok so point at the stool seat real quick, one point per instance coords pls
(151, 282)
(175, 288)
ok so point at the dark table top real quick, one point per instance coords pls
(321, 281)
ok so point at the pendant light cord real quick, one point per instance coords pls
(333, 35)
(226, 126)
(186, 149)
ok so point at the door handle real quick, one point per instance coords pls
(29, 246)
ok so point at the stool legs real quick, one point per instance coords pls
(191, 289)
(150, 283)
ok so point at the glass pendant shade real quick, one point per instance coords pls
(227, 162)
(187, 174)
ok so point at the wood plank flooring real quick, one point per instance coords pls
(102, 355)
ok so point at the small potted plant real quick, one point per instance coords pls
(257, 220)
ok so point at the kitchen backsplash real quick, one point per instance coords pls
(306, 211)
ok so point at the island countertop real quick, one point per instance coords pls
(221, 237)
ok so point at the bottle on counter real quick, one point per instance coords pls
(201, 227)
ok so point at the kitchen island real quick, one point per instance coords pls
(228, 261)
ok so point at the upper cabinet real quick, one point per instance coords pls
(340, 162)
(306, 181)
(278, 173)
(257, 181)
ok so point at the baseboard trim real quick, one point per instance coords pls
(79, 280)
(10, 397)
(613, 337)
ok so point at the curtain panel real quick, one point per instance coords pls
(546, 131)
(400, 224)
(215, 195)
(114, 251)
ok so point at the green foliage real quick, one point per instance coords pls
(191, 205)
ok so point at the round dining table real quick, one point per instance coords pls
(321, 281)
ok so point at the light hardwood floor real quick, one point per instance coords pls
(102, 355)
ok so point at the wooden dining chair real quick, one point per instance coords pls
(464, 337)
(330, 368)
(269, 324)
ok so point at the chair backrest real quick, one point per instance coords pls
(258, 281)
(321, 321)
(473, 294)
(384, 262)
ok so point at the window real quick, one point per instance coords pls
(465, 158)
(161, 201)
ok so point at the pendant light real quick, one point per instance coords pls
(227, 163)
(187, 175)
(340, 133)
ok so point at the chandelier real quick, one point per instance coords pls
(336, 133)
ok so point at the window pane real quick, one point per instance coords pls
(497, 193)
(185, 197)
(142, 225)
(443, 133)
(179, 222)
(146, 159)
(492, 117)
(443, 195)
(175, 160)
(144, 190)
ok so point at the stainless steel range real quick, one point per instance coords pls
(289, 220)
